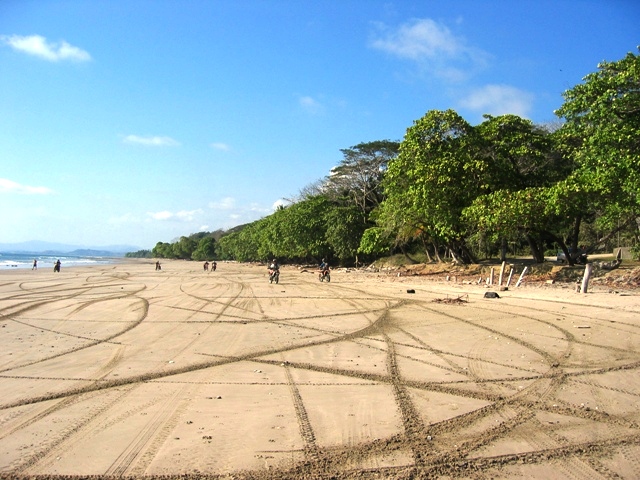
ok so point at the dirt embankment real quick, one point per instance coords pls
(626, 276)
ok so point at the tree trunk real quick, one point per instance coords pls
(426, 248)
(538, 254)
(503, 250)
(436, 252)
(573, 248)
(461, 254)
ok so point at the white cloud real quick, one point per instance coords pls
(229, 213)
(433, 46)
(418, 39)
(310, 105)
(163, 215)
(281, 202)
(498, 100)
(151, 141)
(181, 216)
(38, 46)
(221, 146)
(188, 215)
(9, 186)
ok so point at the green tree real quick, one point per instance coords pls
(206, 249)
(374, 241)
(139, 254)
(520, 159)
(357, 179)
(601, 135)
(183, 248)
(162, 250)
(344, 229)
(298, 231)
(437, 173)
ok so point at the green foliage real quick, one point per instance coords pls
(374, 241)
(139, 254)
(206, 249)
(356, 181)
(162, 250)
(183, 248)
(601, 135)
(518, 154)
(436, 175)
(344, 228)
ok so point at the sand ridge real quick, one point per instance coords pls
(119, 370)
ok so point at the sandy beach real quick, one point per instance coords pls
(123, 371)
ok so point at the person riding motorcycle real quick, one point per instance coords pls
(273, 266)
(274, 271)
(324, 271)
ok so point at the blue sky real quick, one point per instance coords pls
(133, 122)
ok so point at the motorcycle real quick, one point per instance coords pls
(274, 276)
(324, 275)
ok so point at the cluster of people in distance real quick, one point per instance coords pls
(323, 273)
(273, 268)
(56, 266)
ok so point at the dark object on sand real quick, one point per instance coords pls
(411, 290)
(491, 295)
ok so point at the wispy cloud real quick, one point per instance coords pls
(38, 46)
(433, 46)
(418, 39)
(182, 215)
(311, 105)
(226, 203)
(498, 100)
(221, 146)
(230, 208)
(151, 141)
(9, 186)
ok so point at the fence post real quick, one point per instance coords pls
(521, 276)
(585, 278)
(504, 264)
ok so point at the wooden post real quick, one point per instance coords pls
(491, 277)
(502, 267)
(585, 278)
(521, 276)
(511, 270)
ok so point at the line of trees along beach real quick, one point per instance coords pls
(462, 192)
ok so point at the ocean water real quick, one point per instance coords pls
(21, 260)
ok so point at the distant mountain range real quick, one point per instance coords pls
(37, 246)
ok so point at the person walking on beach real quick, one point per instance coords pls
(214, 265)
(56, 267)
(158, 265)
(206, 266)
(35, 264)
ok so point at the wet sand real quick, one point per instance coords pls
(121, 370)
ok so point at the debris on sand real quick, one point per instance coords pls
(461, 299)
